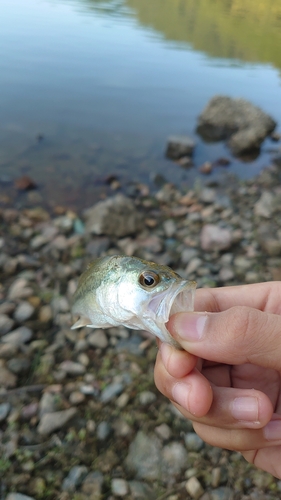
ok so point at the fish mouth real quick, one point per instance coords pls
(179, 298)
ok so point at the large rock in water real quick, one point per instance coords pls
(245, 125)
(116, 216)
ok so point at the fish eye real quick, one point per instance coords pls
(149, 279)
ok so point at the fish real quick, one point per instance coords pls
(120, 290)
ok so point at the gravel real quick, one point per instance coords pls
(80, 415)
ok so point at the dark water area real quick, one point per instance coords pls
(91, 89)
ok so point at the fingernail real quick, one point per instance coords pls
(245, 408)
(272, 431)
(190, 326)
(180, 393)
(165, 350)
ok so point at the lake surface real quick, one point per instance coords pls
(92, 88)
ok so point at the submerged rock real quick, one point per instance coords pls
(245, 125)
(179, 146)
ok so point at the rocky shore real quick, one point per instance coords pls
(80, 415)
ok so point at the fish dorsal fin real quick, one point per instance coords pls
(83, 321)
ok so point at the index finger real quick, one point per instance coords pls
(263, 296)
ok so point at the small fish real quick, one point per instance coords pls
(119, 290)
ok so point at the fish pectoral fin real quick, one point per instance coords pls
(83, 321)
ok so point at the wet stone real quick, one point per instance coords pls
(179, 146)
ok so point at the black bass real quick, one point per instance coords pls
(119, 290)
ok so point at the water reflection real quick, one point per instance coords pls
(105, 83)
(247, 30)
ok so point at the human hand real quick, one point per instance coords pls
(227, 379)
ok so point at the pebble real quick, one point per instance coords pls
(163, 431)
(29, 411)
(7, 379)
(38, 241)
(111, 391)
(19, 336)
(48, 403)
(222, 493)
(119, 487)
(76, 398)
(98, 339)
(18, 496)
(19, 290)
(92, 485)
(194, 488)
(193, 442)
(8, 350)
(4, 411)
(214, 237)
(6, 324)
(103, 430)
(193, 265)
(23, 312)
(174, 459)
(51, 422)
(141, 490)
(264, 207)
(146, 398)
(143, 456)
(122, 428)
(72, 368)
(75, 478)
(18, 365)
(45, 314)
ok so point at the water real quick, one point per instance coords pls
(91, 88)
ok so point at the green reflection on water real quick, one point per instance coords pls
(248, 30)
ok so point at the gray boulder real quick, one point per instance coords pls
(116, 216)
(239, 121)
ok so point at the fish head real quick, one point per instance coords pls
(129, 291)
(153, 293)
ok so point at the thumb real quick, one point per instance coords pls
(235, 336)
